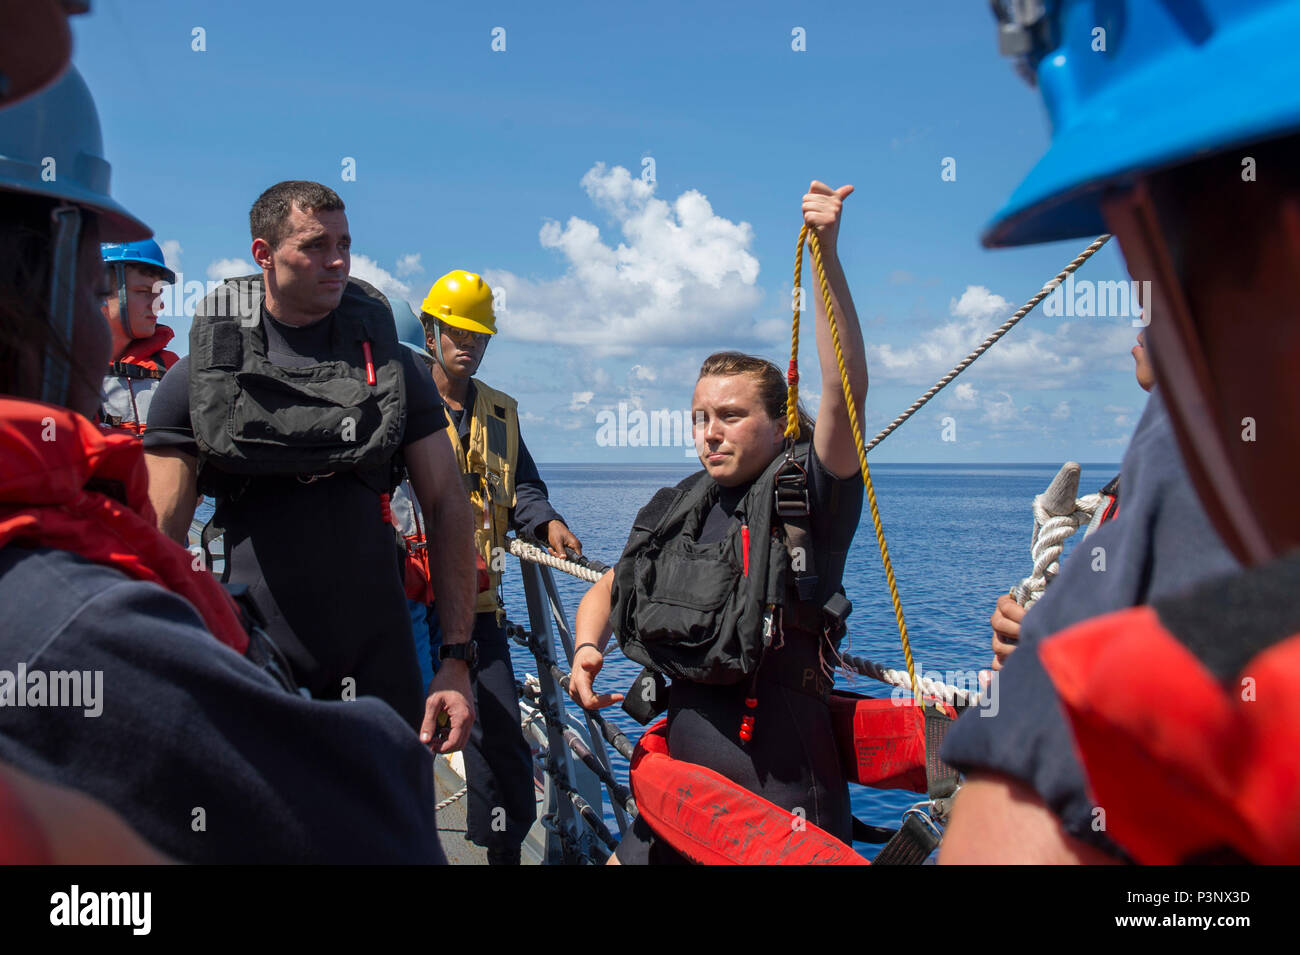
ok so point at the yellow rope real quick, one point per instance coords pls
(792, 425)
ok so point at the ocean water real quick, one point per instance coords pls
(958, 537)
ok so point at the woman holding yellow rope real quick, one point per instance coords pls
(737, 600)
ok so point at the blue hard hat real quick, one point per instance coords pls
(410, 330)
(50, 145)
(1175, 82)
(145, 252)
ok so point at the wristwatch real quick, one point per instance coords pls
(460, 651)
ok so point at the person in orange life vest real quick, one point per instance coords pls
(1183, 714)
(135, 272)
(186, 712)
(739, 408)
(506, 492)
(1009, 612)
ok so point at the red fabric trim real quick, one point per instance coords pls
(48, 455)
(882, 742)
(1180, 764)
(147, 352)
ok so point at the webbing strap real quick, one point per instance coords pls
(941, 779)
(911, 845)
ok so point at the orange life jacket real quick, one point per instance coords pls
(131, 380)
(1184, 766)
(68, 485)
(712, 820)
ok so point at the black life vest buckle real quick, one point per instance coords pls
(792, 489)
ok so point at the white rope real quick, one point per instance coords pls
(538, 556)
(1051, 531)
(953, 695)
(451, 799)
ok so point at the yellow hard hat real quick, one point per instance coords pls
(463, 300)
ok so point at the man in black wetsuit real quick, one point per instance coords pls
(739, 407)
(315, 548)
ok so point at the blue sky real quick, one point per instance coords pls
(527, 165)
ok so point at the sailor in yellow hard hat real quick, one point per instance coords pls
(506, 492)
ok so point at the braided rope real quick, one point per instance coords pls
(538, 556)
(792, 430)
(1006, 326)
(944, 691)
(451, 799)
(1051, 531)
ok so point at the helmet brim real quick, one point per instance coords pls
(115, 223)
(469, 324)
(1189, 105)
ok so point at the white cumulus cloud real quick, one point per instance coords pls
(368, 270)
(230, 268)
(679, 272)
(1031, 355)
(580, 400)
(409, 264)
(171, 250)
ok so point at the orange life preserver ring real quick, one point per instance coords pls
(712, 820)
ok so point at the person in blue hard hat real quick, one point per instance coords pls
(155, 699)
(135, 272)
(1171, 732)
(406, 517)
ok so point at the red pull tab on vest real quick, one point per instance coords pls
(744, 544)
(370, 364)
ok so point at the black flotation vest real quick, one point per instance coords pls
(253, 418)
(706, 612)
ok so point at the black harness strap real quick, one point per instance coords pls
(911, 844)
(795, 512)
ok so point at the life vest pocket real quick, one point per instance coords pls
(684, 594)
(302, 414)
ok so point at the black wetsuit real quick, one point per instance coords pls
(318, 558)
(792, 759)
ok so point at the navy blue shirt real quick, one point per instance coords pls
(319, 559)
(1159, 545)
(200, 751)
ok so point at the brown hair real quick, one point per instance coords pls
(269, 217)
(26, 254)
(767, 376)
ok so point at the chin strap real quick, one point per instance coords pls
(63, 303)
(123, 316)
(437, 346)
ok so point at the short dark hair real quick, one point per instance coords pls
(269, 217)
